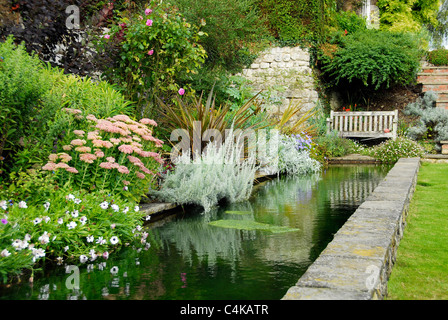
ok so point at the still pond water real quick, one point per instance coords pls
(191, 259)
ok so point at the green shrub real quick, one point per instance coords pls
(234, 30)
(349, 21)
(376, 59)
(332, 145)
(391, 151)
(438, 57)
(149, 53)
(22, 86)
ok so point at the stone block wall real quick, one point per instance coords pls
(285, 74)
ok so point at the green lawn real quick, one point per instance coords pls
(421, 269)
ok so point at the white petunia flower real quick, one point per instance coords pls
(83, 258)
(115, 207)
(90, 239)
(114, 270)
(83, 220)
(37, 221)
(3, 205)
(46, 205)
(60, 221)
(5, 253)
(77, 201)
(44, 239)
(22, 204)
(71, 225)
(75, 214)
(104, 205)
(136, 208)
(100, 240)
(148, 217)
(46, 219)
(114, 240)
(70, 197)
(66, 248)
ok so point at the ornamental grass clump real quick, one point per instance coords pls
(114, 155)
(77, 227)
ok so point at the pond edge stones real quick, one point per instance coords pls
(357, 263)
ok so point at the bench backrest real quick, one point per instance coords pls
(364, 123)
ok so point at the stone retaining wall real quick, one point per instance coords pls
(286, 73)
(357, 264)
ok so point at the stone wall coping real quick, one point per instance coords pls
(357, 263)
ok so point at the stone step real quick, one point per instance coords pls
(435, 70)
(434, 86)
(432, 78)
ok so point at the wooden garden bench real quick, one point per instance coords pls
(364, 124)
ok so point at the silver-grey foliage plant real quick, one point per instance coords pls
(430, 118)
(217, 174)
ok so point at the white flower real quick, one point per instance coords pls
(37, 220)
(115, 207)
(71, 225)
(59, 260)
(126, 209)
(27, 237)
(60, 221)
(90, 239)
(44, 238)
(71, 197)
(38, 253)
(17, 244)
(66, 248)
(77, 201)
(83, 258)
(5, 253)
(93, 255)
(114, 240)
(104, 205)
(46, 219)
(46, 205)
(83, 220)
(22, 204)
(114, 270)
(100, 240)
(136, 208)
(3, 205)
(148, 217)
(75, 214)
(105, 256)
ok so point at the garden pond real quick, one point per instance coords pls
(252, 250)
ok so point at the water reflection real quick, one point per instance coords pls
(190, 259)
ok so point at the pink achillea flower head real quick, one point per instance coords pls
(110, 159)
(71, 170)
(121, 117)
(83, 149)
(149, 22)
(108, 165)
(115, 140)
(61, 165)
(53, 157)
(150, 52)
(126, 183)
(148, 121)
(87, 157)
(79, 132)
(107, 144)
(91, 117)
(78, 142)
(97, 143)
(148, 11)
(181, 91)
(50, 166)
(140, 175)
(99, 153)
(67, 147)
(123, 169)
(125, 148)
(64, 157)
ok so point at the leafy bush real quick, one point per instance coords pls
(438, 57)
(294, 155)
(391, 151)
(233, 29)
(219, 173)
(70, 226)
(432, 121)
(349, 21)
(22, 86)
(373, 58)
(149, 53)
(332, 145)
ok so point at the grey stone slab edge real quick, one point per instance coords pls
(357, 263)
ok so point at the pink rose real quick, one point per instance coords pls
(149, 22)
(181, 91)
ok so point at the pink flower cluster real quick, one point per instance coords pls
(53, 165)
